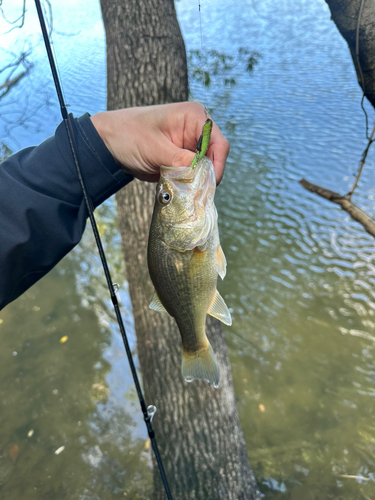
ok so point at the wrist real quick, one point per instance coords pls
(99, 122)
(102, 124)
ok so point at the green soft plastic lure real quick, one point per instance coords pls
(203, 143)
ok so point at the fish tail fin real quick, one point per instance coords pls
(200, 365)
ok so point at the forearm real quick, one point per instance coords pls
(42, 211)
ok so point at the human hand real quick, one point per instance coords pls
(144, 138)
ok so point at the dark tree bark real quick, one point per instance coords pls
(345, 15)
(197, 427)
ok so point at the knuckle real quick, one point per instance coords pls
(196, 106)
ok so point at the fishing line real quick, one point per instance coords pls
(148, 412)
(204, 79)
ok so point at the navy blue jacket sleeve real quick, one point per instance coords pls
(42, 210)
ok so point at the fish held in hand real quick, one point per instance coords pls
(184, 260)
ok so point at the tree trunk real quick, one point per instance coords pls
(196, 426)
(345, 15)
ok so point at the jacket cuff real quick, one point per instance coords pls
(102, 175)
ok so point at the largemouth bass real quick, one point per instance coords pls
(184, 260)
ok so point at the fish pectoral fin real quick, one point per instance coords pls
(219, 310)
(156, 304)
(221, 262)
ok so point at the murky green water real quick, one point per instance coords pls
(300, 280)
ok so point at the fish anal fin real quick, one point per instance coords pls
(221, 262)
(219, 310)
(156, 304)
(201, 365)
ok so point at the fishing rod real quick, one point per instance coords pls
(148, 412)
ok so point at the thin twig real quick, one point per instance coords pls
(363, 160)
(362, 84)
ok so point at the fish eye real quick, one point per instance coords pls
(164, 197)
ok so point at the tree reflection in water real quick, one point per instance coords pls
(77, 394)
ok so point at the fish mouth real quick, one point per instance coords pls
(185, 175)
(201, 179)
(164, 167)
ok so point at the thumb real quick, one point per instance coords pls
(178, 157)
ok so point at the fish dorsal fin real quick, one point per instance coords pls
(221, 262)
(219, 310)
(156, 304)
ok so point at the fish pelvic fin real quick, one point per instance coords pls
(219, 310)
(156, 304)
(201, 365)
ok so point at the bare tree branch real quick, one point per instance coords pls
(344, 201)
